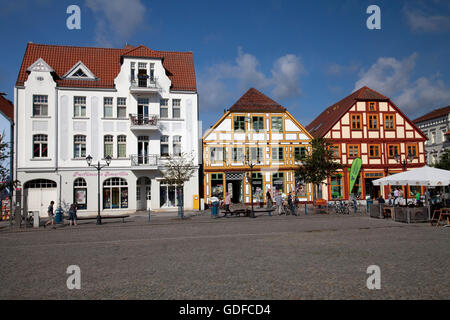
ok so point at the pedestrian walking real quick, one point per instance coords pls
(279, 203)
(73, 214)
(51, 215)
(396, 195)
(227, 204)
(291, 203)
(269, 200)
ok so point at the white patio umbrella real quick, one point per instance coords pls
(425, 176)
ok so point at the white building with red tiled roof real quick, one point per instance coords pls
(136, 105)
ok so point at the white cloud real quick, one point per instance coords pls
(225, 81)
(393, 78)
(422, 21)
(285, 75)
(116, 19)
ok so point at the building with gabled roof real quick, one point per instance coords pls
(137, 105)
(436, 126)
(369, 126)
(255, 130)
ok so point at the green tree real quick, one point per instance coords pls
(177, 171)
(444, 161)
(319, 164)
(4, 169)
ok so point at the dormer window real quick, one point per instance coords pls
(79, 72)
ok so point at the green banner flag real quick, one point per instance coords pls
(354, 171)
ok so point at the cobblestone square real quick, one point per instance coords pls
(279, 257)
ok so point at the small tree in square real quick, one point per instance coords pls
(5, 178)
(177, 171)
(319, 164)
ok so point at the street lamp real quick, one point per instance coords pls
(249, 163)
(98, 167)
(404, 162)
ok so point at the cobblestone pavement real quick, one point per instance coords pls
(279, 257)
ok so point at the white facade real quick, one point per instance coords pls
(436, 130)
(73, 132)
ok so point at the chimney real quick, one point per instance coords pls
(128, 46)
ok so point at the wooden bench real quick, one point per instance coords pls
(319, 203)
(121, 216)
(237, 209)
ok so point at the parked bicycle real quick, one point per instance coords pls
(341, 207)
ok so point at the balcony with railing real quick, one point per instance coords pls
(141, 122)
(144, 84)
(144, 162)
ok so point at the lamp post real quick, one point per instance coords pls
(404, 162)
(99, 167)
(249, 163)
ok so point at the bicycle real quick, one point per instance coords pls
(341, 207)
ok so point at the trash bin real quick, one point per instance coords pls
(214, 207)
(36, 219)
(59, 215)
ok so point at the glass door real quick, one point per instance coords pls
(143, 144)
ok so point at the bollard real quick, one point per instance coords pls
(306, 209)
(148, 215)
(36, 219)
(354, 205)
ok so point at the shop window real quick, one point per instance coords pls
(217, 185)
(80, 193)
(115, 193)
(278, 181)
(336, 187)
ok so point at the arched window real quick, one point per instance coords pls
(115, 193)
(80, 193)
(40, 184)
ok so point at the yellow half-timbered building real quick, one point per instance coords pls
(255, 131)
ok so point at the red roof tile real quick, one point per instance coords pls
(326, 120)
(105, 63)
(254, 101)
(437, 113)
(6, 107)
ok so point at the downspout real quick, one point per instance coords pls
(56, 145)
(13, 165)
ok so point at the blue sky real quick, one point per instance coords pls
(306, 55)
